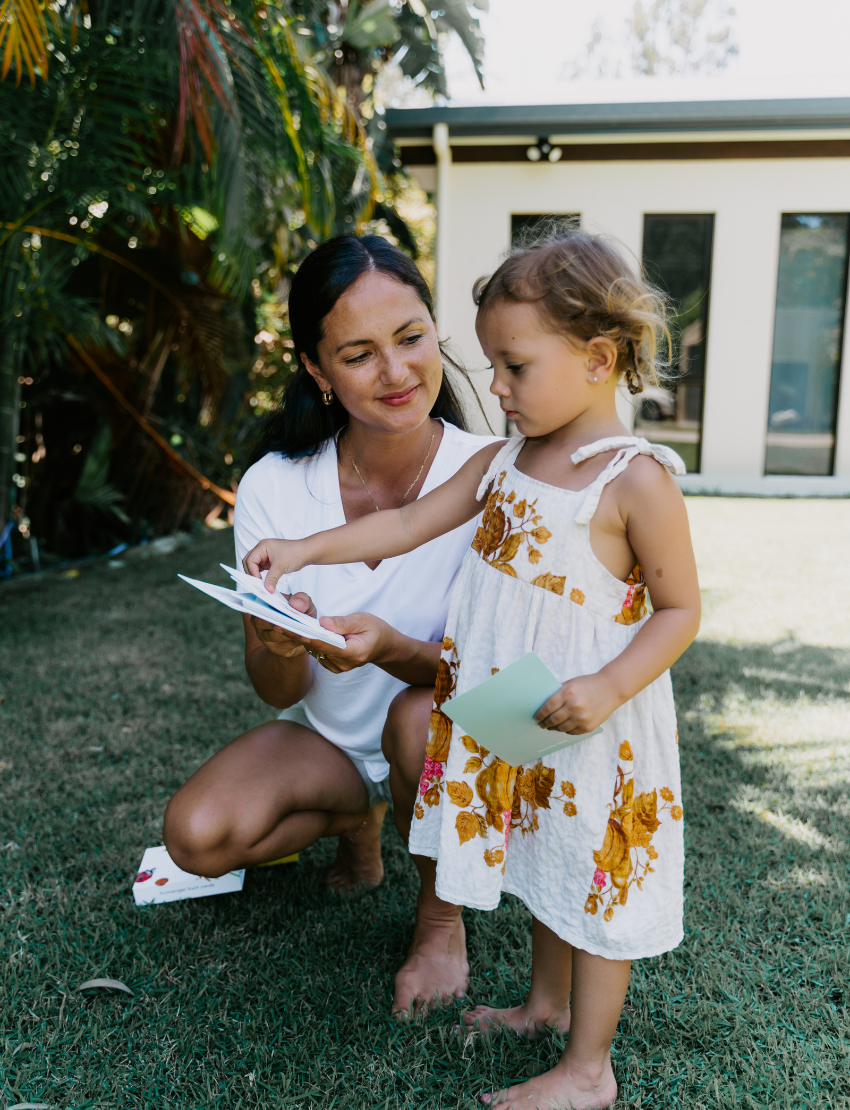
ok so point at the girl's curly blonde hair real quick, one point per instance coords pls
(583, 287)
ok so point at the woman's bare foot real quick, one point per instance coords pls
(436, 969)
(527, 1020)
(562, 1088)
(358, 862)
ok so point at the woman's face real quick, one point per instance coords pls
(380, 354)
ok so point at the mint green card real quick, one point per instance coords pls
(499, 712)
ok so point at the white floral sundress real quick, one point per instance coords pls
(589, 837)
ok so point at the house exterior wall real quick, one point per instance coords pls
(747, 198)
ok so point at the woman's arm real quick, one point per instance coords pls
(379, 535)
(276, 660)
(368, 639)
(656, 523)
(280, 672)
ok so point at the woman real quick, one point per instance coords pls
(370, 421)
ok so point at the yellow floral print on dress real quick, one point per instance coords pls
(504, 798)
(627, 852)
(501, 535)
(634, 607)
(439, 733)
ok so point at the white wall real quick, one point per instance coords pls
(747, 198)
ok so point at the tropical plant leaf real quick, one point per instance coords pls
(24, 37)
(93, 489)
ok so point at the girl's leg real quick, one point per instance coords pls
(271, 792)
(583, 1078)
(436, 967)
(548, 1001)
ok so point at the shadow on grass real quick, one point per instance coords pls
(752, 1009)
(279, 996)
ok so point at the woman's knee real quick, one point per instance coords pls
(405, 734)
(198, 835)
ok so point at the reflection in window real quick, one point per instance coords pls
(807, 337)
(677, 257)
(526, 224)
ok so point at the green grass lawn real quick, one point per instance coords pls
(119, 682)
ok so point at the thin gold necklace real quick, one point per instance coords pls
(409, 488)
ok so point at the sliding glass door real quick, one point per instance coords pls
(807, 339)
(677, 257)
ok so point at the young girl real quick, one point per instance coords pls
(580, 521)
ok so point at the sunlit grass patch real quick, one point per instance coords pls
(806, 739)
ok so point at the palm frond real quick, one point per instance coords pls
(205, 54)
(455, 16)
(23, 29)
(183, 464)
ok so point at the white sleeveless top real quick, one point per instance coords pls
(590, 837)
(293, 498)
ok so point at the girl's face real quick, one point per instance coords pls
(542, 380)
(380, 354)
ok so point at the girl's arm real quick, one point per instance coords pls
(379, 535)
(656, 522)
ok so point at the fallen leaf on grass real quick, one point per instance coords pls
(30, 1106)
(111, 984)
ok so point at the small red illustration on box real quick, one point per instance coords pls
(172, 884)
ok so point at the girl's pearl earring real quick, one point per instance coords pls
(596, 379)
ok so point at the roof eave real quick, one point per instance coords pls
(622, 119)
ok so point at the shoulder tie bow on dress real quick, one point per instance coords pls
(627, 448)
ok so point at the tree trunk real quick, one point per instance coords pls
(10, 412)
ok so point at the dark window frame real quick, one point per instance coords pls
(842, 333)
(708, 269)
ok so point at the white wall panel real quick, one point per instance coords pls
(747, 198)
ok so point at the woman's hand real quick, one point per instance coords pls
(278, 557)
(368, 639)
(285, 645)
(580, 706)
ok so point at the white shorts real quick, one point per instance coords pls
(377, 791)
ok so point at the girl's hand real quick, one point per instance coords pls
(278, 557)
(580, 706)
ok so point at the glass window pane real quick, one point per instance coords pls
(677, 257)
(807, 338)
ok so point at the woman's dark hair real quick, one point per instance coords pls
(302, 422)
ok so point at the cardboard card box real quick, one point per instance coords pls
(161, 880)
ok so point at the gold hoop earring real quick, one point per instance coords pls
(328, 397)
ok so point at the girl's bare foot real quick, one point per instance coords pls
(565, 1087)
(436, 970)
(527, 1020)
(358, 862)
